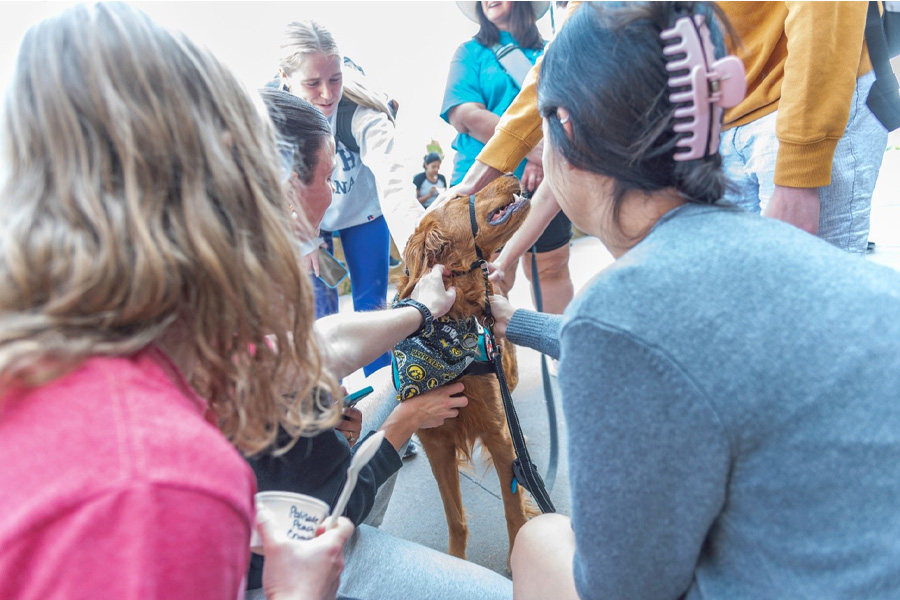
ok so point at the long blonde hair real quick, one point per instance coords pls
(143, 203)
(303, 38)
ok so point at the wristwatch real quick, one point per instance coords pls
(428, 318)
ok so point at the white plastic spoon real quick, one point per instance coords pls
(360, 459)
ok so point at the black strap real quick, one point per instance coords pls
(549, 400)
(479, 368)
(343, 124)
(884, 95)
(474, 223)
(524, 471)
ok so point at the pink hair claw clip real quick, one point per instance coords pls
(713, 85)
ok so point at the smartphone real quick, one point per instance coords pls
(331, 271)
(356, 396)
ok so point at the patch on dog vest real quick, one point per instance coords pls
(439, 355)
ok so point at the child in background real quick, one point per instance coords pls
(430, 182)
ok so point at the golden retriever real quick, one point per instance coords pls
(444, 236)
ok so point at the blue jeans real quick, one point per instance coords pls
(366, 250)
(748, 156)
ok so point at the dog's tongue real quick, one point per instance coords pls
(501, 215)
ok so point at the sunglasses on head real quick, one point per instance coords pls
(286, 155)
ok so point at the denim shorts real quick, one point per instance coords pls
(749, 153)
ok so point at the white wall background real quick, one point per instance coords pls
(404, 47)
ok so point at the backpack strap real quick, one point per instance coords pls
(513, 62)
(343, 124)
(884, 96)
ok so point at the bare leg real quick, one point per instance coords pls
(556, 282)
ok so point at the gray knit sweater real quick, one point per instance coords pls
(731, 388)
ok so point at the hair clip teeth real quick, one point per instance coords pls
(683, 127)
(712, 85)
(681, 97)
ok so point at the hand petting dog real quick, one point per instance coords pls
(434, 293)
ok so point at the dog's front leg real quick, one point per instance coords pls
(442, 456)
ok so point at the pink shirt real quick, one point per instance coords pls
(113, 485)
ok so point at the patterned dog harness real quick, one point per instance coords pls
(442, 353)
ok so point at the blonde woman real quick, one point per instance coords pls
(373, 199)
(145, 258)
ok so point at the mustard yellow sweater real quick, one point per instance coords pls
(813, 52)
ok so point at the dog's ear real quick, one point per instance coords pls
(436, 246)
(426, 246)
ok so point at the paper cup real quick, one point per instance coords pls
(296, 516)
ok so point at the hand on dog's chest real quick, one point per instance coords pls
(438, 355)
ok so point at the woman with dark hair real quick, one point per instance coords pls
(486, 74)
(306, 148)
(479, 86)
(429, 183)
(729, 434)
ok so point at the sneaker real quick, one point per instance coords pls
(411, 449)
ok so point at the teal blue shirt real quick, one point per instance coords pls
(476, 76)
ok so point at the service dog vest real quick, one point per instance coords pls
(442, 353)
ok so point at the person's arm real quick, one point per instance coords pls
(425, 411)
(421, 196)
(518, 130)
(374, 133)
(473, 119)
(351, 340)
(531, 329)
(317, 466)
(424, 196)
(477, 177)
(463, 87)
(641, 514)
(824, 45)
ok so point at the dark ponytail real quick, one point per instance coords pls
(299, 123)
(618, 99)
